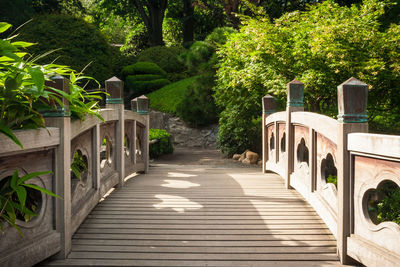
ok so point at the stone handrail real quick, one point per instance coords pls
(309, 150)
(112, 150)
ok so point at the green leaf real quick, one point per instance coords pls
(4, 26)
(37, 77)
(7, 132)
(11, 84)
(21, 193)
(42, 190)
(22, 44)
(29, 176)
(14, 180)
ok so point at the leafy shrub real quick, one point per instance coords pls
(23, 94)
(164, 144)
(201, 55)
(145, 77)
(80, 43)
(321, 47)
(165, 57)
(142, 68)
(198, 107)
(140, 87)
(168, 98)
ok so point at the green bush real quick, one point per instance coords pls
(140, 87)
(164, 144)
(145, 77)
(167, 98)
(165, 57)
(198, 107)
(80, 43)
(321, 47)
(142, 68)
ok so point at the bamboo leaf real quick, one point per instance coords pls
(41, 190)
(29, 176)
(21, 193)
(7, 132)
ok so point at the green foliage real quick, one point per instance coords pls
(23, 93)
(136, 40)
(78, 165)
(198, 108)
(79, 44)
(332, 179)
(13, 199)
(142, 68)
(144, 87)
(386, 206)
(164, 144)
(321, 47)
(168, 98)
(165, 57)
(389, 207)
(145, 77)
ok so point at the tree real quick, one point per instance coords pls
(152, 13)
(188, 21)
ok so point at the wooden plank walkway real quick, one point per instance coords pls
(183, 215)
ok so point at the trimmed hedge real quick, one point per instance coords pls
(145, 77)
(142, 68)
(165, 57)
(163, 146)
(140, 87)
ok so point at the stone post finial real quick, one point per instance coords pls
(143, 104)
(295, 93)
(352, 101)
(114, 87)
(268, 104)
(61, 83)
(134, 104)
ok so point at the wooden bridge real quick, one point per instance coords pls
(316, 208)
(202, 215)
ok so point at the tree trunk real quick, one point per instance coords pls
(188, 21)
(153, 18)
(231, 7)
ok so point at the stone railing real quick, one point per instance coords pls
(112, 150)
(313, 152)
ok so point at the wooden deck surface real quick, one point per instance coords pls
(183, 215)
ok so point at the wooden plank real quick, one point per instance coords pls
(205, 249)
(203, 226)
(197, 212)
(199, 243)
(204, 222)
(231, 232)
(189, 263)
(201, 256)
(242, 237)
(200, 217)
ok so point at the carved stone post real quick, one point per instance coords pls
(143, 104)
(352, 104)
(295, 95)
(115, 87)
(59, 118)
(268, 105)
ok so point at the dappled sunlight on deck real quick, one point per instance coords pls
(176, 203)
